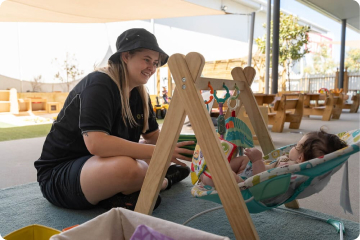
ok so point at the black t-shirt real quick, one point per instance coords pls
(93, 105)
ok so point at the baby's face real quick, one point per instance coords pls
(295, 154)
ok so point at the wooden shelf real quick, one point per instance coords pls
(5, 103)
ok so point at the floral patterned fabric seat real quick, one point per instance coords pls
(276, 186)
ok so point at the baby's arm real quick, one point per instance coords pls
(255, 157)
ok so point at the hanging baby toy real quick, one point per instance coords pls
(221, 118)
(237, 132)
(211, 97)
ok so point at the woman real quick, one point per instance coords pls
(92, 154)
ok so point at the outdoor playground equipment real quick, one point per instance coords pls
(160, 110)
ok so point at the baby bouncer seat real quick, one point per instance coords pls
(277, 186)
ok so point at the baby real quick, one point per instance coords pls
(311, 145)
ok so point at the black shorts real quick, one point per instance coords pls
(63, 187)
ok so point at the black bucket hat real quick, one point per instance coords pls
(137, 38)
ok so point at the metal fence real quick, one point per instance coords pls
(312, 83)
(354, 81)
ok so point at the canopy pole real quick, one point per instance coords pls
(342, 54)
(251, 37)
(275, 47)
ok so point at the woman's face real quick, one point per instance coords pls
(141, 66)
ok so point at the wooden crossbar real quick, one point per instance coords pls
(217, 84)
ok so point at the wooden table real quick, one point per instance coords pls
(262, 98)
(313, 97)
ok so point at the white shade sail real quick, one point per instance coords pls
(96, 11)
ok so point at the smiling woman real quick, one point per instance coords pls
(92, 154)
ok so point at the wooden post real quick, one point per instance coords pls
(346, 82)
(170, 87)
(158, 82)
(336, 84)
(14, 104)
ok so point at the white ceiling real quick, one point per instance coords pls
(338, 10)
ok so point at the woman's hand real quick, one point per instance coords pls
(253, 154)
(178, 151)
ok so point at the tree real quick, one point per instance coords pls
(36, 83)
(352, 61)
(69, 68)
(292, 44)
(322, 61)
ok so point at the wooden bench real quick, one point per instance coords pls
(287, 109)
(264, 99)
(331, 108)
(354, 106)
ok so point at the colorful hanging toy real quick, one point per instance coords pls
(211, 97)
(221, 118)
(237, 132)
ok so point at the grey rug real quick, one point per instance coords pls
(24, 205)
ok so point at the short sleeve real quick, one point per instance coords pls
(97, 108)
(153, 125)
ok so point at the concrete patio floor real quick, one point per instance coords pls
(18, 156)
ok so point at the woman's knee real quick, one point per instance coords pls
(130, 169)
(138, 171)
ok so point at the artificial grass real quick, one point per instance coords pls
(13, 133)
(6, 125)
(41, 130)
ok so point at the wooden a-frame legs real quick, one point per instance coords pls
(187, 100)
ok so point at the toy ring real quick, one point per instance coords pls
(237, 91)
(227, 95)
(237, 104)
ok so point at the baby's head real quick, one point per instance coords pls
(315, 144)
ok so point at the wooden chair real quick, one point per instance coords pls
(332, 107)
(354, 106)
(338, 106)
(287, 109)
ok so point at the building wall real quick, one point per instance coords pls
(7, 83)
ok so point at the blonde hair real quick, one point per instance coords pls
(118, 73)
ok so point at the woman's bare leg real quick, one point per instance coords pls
(102, 178)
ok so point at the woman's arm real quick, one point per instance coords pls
(152, 137)
(103, 145)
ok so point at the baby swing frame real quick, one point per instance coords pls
(186, 71)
